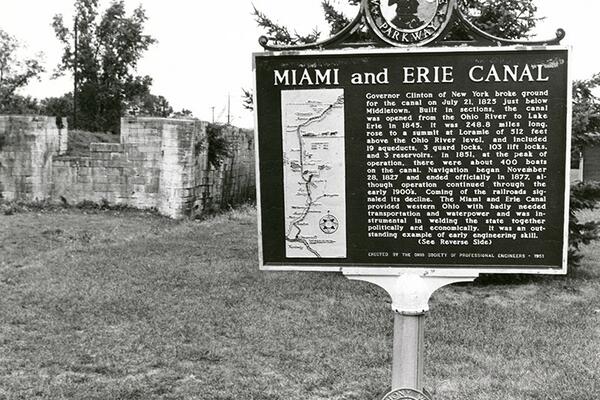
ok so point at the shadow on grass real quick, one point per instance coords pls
(574, 274)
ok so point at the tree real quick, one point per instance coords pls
(58, 106)
(109, 47)
(20, 105)
(14, 75)
(150, 105)
(247, 99)
(584, 195)
(509, 19)
(184, 113)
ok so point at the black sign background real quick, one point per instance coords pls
(360, 248)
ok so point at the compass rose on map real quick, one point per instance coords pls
(329, 224)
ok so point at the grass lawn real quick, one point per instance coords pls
(129, 305)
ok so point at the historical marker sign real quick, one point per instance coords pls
(422, 159)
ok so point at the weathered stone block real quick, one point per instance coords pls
(114, 171)
(137, 180)
(139, 188)
(100, 178)
(106, 147)
(100, 186)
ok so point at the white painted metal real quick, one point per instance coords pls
(410, 295)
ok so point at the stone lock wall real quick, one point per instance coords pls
(233, 181)
(159, 163)
(28, 145)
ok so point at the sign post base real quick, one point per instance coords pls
(410, 293)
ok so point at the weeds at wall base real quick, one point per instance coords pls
(46, 206)
(230, 212)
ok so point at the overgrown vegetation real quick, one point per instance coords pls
(15, 73)
(584, 196)
(218, 144)
(79, 141)
(48, 207)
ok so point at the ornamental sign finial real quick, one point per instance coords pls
(404, 23)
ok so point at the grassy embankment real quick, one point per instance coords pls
(79, 141)
(128, 305)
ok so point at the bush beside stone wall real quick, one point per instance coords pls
(233, 182)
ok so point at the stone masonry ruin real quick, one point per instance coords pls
(159, 164)
(27, 148)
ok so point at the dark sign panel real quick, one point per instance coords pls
(414, 159)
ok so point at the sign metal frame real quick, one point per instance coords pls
(410, 288)
(437, 270)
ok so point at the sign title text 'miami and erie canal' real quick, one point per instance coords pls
(412, 75)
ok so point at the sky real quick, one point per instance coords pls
(204, 50)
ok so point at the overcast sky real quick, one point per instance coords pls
(204, 47)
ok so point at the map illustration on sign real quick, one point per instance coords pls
(314, 173)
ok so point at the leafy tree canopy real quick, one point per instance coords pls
(15, 73)
(584, 195)
(150, 105)
(184, 113)
(509, 19)
(586, 113)
(110, 45)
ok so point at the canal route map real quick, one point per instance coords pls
(314, 173)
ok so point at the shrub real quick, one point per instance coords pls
(218, 145)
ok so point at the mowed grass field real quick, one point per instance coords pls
(129, 305)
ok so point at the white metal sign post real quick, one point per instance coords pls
(410, 295)
(413, 168)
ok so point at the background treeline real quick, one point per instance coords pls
(101, 50)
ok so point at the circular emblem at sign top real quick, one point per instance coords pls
(329, 224)
(405, 394)
(405, 23)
